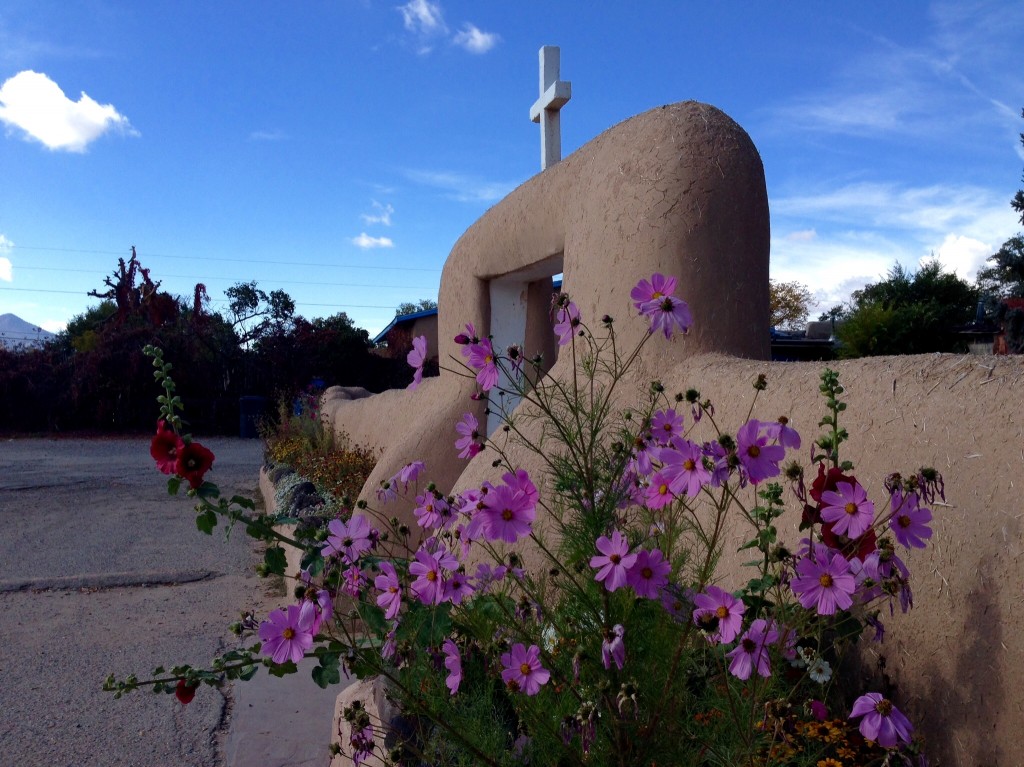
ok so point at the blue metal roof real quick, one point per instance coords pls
(401, 318)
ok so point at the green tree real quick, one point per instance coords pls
(789, 304)
(254, 314)
(410, 308)
(908, 313)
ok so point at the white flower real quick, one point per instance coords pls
(820, 671)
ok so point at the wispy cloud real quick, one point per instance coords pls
(381, 216)
(424, 21)
(268, 135)
(366, 242)
(926, 89)
(35, 104)
(461, 187)
(474, 40)
(6, 270)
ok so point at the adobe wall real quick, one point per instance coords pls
(680, 190)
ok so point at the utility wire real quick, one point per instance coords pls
(214, 301)
(231, 260)
(234, 279)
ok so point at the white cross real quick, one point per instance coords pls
(553, 95)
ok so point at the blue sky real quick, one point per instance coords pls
(337, 149)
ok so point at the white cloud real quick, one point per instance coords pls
(862, 230)
(366, 242)
(382, 216)
(963, 255)
(34, 103)
(6, 270)
(54, 326)
(475, 40)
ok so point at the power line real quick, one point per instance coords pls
(215, 301)
(231, 260)
(227, 279)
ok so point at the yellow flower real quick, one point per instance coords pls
(829, 763)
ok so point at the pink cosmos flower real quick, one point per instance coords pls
(322, 605)
(849, 509)
(387, 491)
(683, 464)
(759, 459)
(654, 299)
(613, 648)
(286, 635)
(409, 473)
(353, 580)
(483, 359)
(909, 521)
(615, 560)
(429, 584)
(523, 671)
(645, 292)
(666, 425)
(452, 662)
(649, 573)
(390, 598)
(348, 540)
(507, 513)
(721, 611)
(825, 581)
(467, 429)
(457, 587)
(659, 492)
(467, 339)
(752, 652)
(883, 722)
(417, 358)
(430, 510)
(783, 433)
(567, 320)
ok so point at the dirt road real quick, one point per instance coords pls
(102, 572)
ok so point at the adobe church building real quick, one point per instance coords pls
(680, 190)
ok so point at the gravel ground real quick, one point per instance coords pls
(102, 572)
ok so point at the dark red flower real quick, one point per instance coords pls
(185, 692)
(165, 448)
(193, 462)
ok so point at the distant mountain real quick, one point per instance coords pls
(15, 333)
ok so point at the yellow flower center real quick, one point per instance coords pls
(850, 508)
(663, 490)
(507, 515)
(722, 612)
(883, 707)
(825, 580)
(431, 575)
(903, 520)
(753, 451)
(689, 464)
(288, 633)
(525, 669)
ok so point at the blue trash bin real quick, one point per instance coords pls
(250, 410)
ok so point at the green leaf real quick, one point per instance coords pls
(275, 560)
(328, 672)
(245, 503)
(373, 617)
(313, 562)
(248, 673)
(283, 669)
(173, 485)
(208, 490)
(206, 521)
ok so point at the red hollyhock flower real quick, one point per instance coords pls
(193, 462)
(185, 692)
(165, 447)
